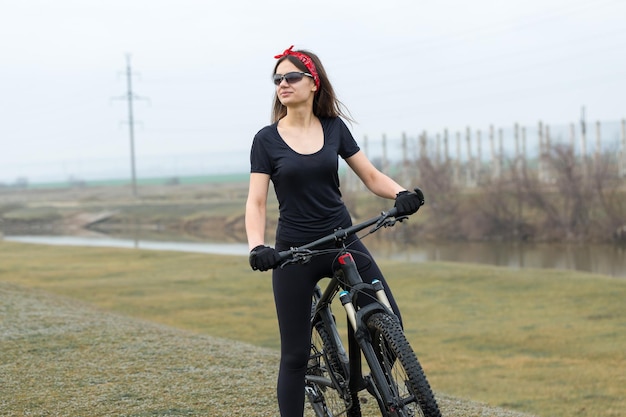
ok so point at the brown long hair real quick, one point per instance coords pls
(325, 102)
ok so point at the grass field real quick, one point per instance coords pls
(550, 343)
(62, 357)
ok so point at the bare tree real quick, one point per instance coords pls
(571, 199)
(500, 207)
(443, 197)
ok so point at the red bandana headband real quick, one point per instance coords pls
(306, 60)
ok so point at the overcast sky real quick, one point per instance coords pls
(204, 69)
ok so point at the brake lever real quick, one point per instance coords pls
(301, 256)
(400, 219)
(387, 222)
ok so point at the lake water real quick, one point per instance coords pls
(602, 259)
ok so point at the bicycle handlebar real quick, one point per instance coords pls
(385, 219)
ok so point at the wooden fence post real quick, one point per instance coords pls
(479, 157)
(583, 146)
(495, 163)
(385, 162)
(517, 148)
(548, 139)
(547, 150)
(542, 154)
(470, 160)
(598, 152)
(446, 149)
(405, 177)
(457, 164)
(524, 149)
(501, 148)
(423, 153)
(622, 165)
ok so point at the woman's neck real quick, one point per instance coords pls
(298, 118)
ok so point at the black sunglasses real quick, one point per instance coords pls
(290, 77)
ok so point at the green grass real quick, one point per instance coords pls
(545, 342)
(62, 357)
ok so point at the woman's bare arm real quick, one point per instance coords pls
(256, 209)
(380, 184)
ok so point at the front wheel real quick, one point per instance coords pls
(326, 381)
(403, 374)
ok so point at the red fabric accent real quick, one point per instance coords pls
(306, 60)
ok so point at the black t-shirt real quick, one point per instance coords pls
(307, 186)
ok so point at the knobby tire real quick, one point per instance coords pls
(403, 372)
(325, 398)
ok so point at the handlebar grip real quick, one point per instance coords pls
(420, 194)
(284, 254)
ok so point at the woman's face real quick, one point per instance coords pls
(297, 92)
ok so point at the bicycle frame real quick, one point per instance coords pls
(349, 285)
(348, 279)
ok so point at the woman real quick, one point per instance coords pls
(299, 153)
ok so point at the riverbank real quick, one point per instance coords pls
(213, 209)
(599, 259)
(213, 212)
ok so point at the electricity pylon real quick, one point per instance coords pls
(130, 97)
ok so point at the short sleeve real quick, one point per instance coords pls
(347, 144)
(260, 161)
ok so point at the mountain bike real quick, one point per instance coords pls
(335, 377)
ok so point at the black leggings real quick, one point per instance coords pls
(293, 289)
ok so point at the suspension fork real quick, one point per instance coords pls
(361, 342)
(362, 339)
(325, 315)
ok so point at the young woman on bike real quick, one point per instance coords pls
(299, 153)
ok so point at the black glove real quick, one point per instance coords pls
(408, 202)
(263, 258)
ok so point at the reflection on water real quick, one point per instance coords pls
(596, 258)
(601, 259)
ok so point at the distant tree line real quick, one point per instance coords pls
(554, 195)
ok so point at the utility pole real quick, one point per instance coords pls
(130, 97)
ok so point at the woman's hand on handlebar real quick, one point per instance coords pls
(263, 258)
(408, 202)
